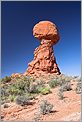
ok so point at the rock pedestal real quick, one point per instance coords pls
(44, 60)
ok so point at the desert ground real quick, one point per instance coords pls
(66, 108)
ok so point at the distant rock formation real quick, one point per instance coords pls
(44, 60)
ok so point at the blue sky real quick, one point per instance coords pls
(18, 43)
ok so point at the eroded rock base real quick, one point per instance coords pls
(44, 60)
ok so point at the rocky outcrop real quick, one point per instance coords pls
(14, 75)
(44, 60)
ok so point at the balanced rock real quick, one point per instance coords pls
(44, 61)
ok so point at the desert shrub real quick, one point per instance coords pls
(40, 82)
(44, 90)
(4, 93)
(78, 79)
(67, 79)
(64, 81)
(5, 105)
(60, 95)
(29, 96)
(66, 86)
(18, 86)
(37, 117)
(14, 90)
(21, 86)
(75, 77)
(59, 79)
(78, 87)
(12, 98)
(6, 79)
(22, 100)
(45, 107)
(39, 88)
(8, 91)
(53, 83)
(33, 88)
